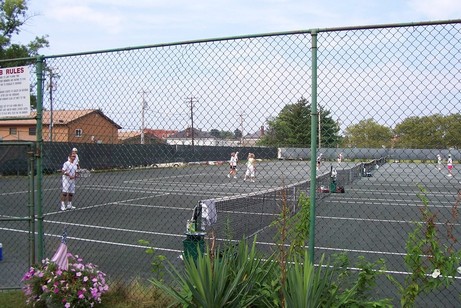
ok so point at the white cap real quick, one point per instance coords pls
(74, 150)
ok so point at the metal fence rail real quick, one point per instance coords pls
(156, 125)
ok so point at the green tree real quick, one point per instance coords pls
(368, 134)
(452, 127)
(226, 135)
(292, 127)
(13, 15)
(428, 132)
(238, 133)
(215, 133)
(329, 130)
(221, 134)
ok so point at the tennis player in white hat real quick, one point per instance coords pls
(76, 161)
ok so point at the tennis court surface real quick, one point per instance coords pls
(117, 209)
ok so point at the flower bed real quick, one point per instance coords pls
(81, 285)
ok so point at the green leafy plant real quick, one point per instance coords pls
(232, 280)
(157, 261)
(431, 258)
(301, 284)
(334, 285)
(307, 286)
(82, 285)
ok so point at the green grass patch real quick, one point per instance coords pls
(133, 295)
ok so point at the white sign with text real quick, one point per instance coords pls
(14, 91)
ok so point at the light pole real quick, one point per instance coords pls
(51, 87)
(143, 108)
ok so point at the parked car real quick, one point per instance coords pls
(168, 165)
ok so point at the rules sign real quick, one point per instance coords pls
(14, 91)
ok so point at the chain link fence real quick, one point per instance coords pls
(155, 127)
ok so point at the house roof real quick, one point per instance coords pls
(60, 117)
(255, 135)
(128, 134)
(160, 133)
(187, 134)
(157, 133)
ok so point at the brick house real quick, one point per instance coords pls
(76, 126)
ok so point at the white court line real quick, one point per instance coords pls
(343, 249)
(157, 206)
(156, 188)
(119, 188)
(170, 190)
(189, 184)
(381, 220)
(392, 190)
(167, 177)
(181, 251)
(250, 213)
(114, 229)
(405, 193)
(26, 191)
(382, 202)
(97, 241)
(103, 204)
(361, 251)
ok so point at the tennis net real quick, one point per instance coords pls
(245, 215)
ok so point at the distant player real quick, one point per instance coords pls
(439, 161)
(251, 168)
(450, 165)
(319, 161)
(233, 165)
(340, 158)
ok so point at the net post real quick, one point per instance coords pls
(198, 221)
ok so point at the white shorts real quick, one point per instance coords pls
(250, 172)
(68, 186)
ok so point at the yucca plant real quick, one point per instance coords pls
(325, 286)
(307, 286)
(234, 279)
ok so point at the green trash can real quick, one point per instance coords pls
(332, 186)
(193, 244)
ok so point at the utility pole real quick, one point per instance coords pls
(320, 126)
(190, 101)
(52, 86)
(241, 128)
(143, 108)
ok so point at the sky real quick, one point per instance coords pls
(92, 25)
(97, 25)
